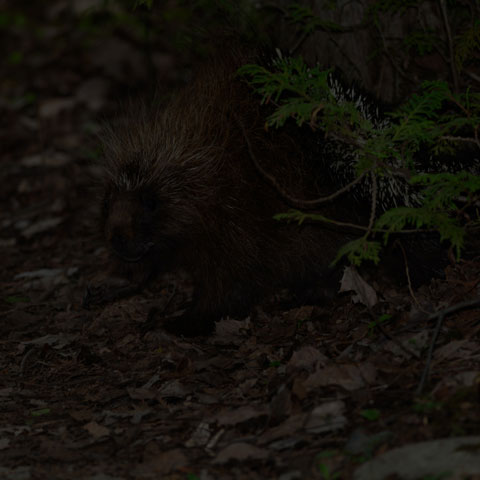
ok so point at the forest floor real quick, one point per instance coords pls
(313, 392)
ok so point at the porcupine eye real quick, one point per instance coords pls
(106, 202)
(149, 201)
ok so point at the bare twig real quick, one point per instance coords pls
(374, 202)
(390, 58)
(443, 6)
(441, 315)
(341, 51)
(27, 355)
(299, 42)
(452, 138)
(407, 272)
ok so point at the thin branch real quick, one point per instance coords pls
(426, 370)
(298, 43)
(472, 75)
(390, 58)
(397, 342)
(443, 6)
(295, 202)
(376, 230)
(452, 138)
(374, 202)
(407, 273)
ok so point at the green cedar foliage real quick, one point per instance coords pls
(431, 119)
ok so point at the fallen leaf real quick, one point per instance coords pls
(363, 443)
(93, 93)
(41, 273)
(163, 464)
(412, 343)
(140, 393)
(229, 331)
(55, 341)
(55, 106)
(419, 460)
(287, 443)
(42, 226)
(19, 473)
(96, 430)
(137, 415)
(4, 443)
(228, 417)
(291, 425)
(81, 415)
(239, 452)
(281, 403)
(327, 417)
(306, 358)
(456, 349)
(173, 389)
(298, 388)
(200, 436)
(103, 476)
(48, 159)
(81, 6)
(350, 377)
(365, 294)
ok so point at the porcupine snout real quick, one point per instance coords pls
(126, 231)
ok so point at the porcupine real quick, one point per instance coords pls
(182, 192)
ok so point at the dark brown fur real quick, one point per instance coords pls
(181, 191)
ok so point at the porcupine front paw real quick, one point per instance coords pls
(107, 290)
(190, 324)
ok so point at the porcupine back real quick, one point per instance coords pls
(426, 255)
(213, 211)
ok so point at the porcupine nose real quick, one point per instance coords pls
(119, 242)
(120, 227)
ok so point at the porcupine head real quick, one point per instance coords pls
(146, 214)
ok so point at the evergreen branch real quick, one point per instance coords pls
(304, 95)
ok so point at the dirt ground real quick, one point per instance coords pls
(313, 392)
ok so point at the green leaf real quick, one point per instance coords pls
(370, 414)
(192, 476)
(427, 406)
(358, 250)
(16, 299)
(15, 57)
(40, 412)
(382, 319)
(467, 42)
(147, 3)
(417, 116)
(423, 41)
